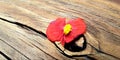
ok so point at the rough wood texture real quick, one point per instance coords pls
(23, 24)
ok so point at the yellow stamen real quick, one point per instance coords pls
(67, 29)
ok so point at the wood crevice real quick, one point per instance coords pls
(3, 54)
(24, 26)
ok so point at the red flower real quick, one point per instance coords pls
(63, 32)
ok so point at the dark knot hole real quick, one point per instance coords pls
(74, 46)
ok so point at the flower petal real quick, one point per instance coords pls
(55, 29)
(78, 28)
(62, 41)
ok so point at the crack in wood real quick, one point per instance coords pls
(24, 26)
(8, 58)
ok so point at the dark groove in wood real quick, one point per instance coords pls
(23, 25)
(8, 58)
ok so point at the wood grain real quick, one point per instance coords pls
(23, 24)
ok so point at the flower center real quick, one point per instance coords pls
(67, 29)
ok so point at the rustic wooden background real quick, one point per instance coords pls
(23, 24)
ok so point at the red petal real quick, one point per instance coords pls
(55, 29)
(62, 41)
(78, 27)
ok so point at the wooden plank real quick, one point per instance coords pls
(101, 17)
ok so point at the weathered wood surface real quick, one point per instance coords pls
(23, 22)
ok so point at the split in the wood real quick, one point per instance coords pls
(23, 26)
(8, 58)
